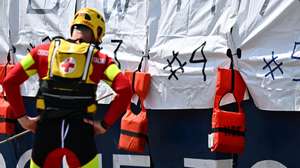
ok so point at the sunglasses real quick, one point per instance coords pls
(82, 28)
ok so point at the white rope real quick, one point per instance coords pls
(64, 133)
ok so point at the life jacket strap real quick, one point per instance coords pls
(229, 131)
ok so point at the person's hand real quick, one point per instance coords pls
(29, 123)
(98, 128)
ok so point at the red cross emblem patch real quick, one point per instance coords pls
(68, 65)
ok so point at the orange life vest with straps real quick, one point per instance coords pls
(134, 127)
(228, 127)
(7, 119)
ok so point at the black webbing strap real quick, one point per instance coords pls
(9, 120)
(133, 134)
(8, 59)
(229, 131)
(229, 54)
(133, 81)
(138, 70)
(140, 64)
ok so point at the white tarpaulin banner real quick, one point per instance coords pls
(125, 37)
(33, 20)
(268, 34)
(37, 19)
(4, 30)
(187, 41)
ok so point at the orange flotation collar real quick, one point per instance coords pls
(134, 127)
(228, 127)
(7, 119)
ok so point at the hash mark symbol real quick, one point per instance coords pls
(173, 72)
(268, 65)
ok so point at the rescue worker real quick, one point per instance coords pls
(69, 71)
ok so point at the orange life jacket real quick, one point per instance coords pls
(7, 119)
(134, 127)
(228, 128)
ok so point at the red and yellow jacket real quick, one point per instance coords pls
(102, 68)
